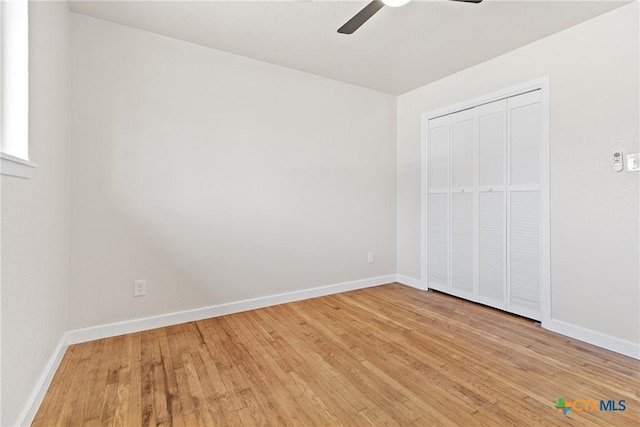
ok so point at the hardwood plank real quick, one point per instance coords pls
(388, 355)
(70, 414)
(134, 407)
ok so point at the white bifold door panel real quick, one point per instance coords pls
(524, 237)
(484, 204)
(438, 201)
(463, 131)
(491, 215)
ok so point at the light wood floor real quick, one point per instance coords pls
(389, 355)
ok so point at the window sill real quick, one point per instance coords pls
(15, 166)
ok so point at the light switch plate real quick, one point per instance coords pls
(633, 162)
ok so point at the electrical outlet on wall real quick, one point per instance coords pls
(371, 257)
(139, 288)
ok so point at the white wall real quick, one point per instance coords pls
(218, 178)
(593, 70)
(35, 219)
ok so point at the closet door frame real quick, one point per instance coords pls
(541, 84)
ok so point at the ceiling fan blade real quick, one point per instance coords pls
(469, 1)
(361, 17)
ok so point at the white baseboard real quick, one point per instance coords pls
(599, 339)
(137, 325)
(410, 281)
(104, 331)
(35, 399)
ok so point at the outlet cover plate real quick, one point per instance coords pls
(139, 288)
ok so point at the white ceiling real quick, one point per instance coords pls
(397, 50)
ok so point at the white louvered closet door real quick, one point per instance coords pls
(485, 205)
(491, 213)
(524, 249)
(463, 134)
(438, 203)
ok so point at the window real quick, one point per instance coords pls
(14, 89)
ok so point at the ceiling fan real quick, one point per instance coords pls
(369, 10)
